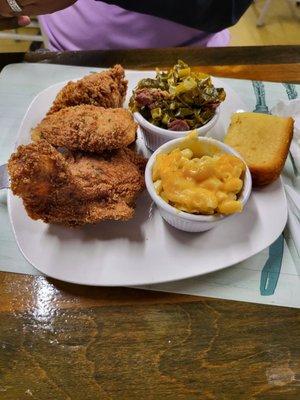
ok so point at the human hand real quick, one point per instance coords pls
(15, 22)
(34, 7)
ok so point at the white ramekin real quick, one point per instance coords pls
(155, 136)
(183, 220)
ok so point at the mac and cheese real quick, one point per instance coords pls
(197, 183)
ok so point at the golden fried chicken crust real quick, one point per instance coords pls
(88, 128)
(76, 188)
(105, 89)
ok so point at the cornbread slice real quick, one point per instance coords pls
(263, 141)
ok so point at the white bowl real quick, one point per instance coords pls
(155, 136)
(183, 220)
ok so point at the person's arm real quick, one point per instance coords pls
(9, 20)
(12, 23)
(34, 7)
(205, 15)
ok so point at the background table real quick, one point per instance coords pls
(61, 341)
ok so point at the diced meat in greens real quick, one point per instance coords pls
(179, 99)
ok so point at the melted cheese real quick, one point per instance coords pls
(198, 178)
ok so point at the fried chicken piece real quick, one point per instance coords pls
(76, 188)
(105, 89)
(88, 128)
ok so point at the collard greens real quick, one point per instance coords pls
(179, 99)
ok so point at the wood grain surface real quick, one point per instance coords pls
(275, 63)
(270, 63)
(60, 341)
(151, 58)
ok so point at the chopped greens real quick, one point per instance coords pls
(178, 99)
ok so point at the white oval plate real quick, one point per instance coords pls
(144, 250)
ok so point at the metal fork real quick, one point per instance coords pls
(4, 179)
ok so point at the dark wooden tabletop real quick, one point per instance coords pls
(273, 63)
(60, 341)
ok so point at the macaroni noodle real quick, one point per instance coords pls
(201, 184)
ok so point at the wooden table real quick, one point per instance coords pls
(60, 341)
